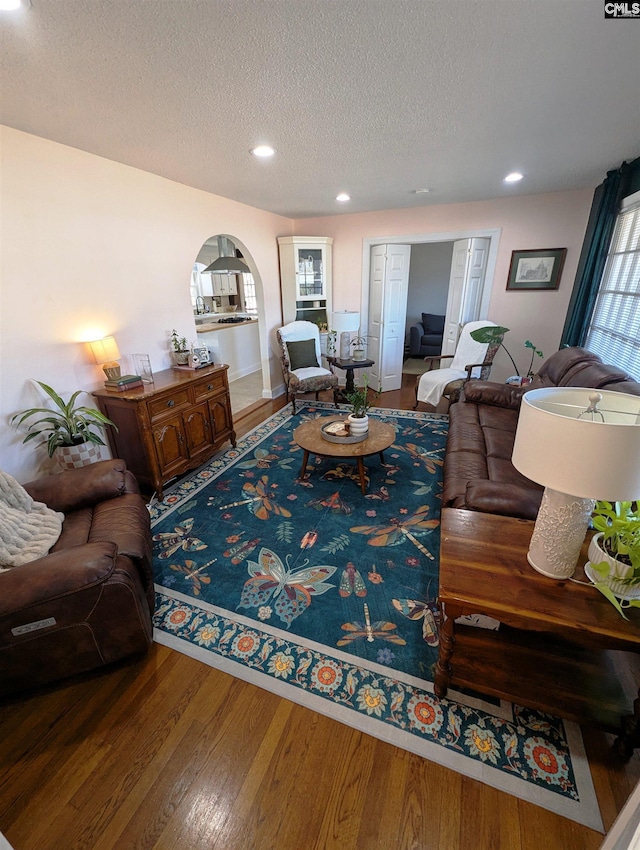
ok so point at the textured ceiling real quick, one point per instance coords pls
(373, 97)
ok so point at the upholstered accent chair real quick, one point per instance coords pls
(472, 361)
(301, 361)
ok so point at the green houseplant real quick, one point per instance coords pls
(614, 551)
(180, 348)
(358, 343)
(494, 334)
(65, 425)
(360, 403)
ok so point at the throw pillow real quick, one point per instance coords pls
(302, 354)
(432, 323)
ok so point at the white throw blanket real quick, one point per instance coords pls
(432, 384)
(28, 529)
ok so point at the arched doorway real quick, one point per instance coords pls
(229, 304)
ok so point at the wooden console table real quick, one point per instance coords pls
(560, 644)
(170, 426)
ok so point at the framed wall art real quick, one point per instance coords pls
(536, 269)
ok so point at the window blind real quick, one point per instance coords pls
(614, 332)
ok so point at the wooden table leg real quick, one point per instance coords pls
(303, 468)
(445, 651)
(629, 737)
(363, 482)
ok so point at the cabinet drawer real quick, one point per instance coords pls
(208, 387)
(169, 403)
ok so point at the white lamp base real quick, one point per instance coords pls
(559, 533)
(345, 345)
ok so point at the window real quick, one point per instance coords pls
(250, 301)
(614, 332)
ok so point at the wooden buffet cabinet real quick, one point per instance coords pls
(170, 426)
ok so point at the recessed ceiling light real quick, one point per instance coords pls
(421, 191)
(9, 5)
(263, 151)
(513, 177)
(343, 197)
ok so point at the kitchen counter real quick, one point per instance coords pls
(238, 346)
(206, 327)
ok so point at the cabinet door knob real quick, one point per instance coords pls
(170, 403)
(209, 386)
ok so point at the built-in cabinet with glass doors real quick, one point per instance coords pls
(305, 278)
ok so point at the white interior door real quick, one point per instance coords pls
(388, 288)
(466, 286)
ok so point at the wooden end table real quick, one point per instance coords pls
(559, 644)
(348, 366)
(308, 436)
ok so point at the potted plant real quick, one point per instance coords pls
(494, 335)
(360, 403)
(180, 348)
(614, 552)
(358, 343)
(67, 429)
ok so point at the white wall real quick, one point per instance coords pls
(553, 220)
(429, 273)
(90, 247)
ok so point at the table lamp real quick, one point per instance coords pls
(345, 322)
(581, 445)
(106, 355)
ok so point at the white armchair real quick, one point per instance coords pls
(301, 361)
(471, 360)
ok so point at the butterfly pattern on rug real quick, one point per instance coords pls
(291, 590)
(428, 612)
(179, 538)
(260, 499)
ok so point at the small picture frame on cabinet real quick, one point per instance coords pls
(142, 367)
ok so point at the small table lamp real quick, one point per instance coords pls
(106, 354)
(582, 445)
(345, 322)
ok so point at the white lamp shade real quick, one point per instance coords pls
(585, 456)
(345, 320)
(105, 350)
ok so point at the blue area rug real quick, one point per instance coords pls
(328, 598)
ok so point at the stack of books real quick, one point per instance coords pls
(124, 382)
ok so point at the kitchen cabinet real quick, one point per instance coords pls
(305, 277)
(171, 426)
(224, 284)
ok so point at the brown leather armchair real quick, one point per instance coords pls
(89, 601)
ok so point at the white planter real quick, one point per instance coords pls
(71, 457)
(617, 570)
(358, 354)
(358, 425)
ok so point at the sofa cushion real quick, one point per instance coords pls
(433, 324)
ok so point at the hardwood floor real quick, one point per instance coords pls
(163, 752)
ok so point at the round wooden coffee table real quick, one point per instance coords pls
(308, 437)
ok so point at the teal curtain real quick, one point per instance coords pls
(608, 196)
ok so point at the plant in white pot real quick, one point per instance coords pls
(360, 403)
(614, 553)
(358, 343)
(67, 429)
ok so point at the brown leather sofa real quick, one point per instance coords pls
(478, 473)
(89, 601)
